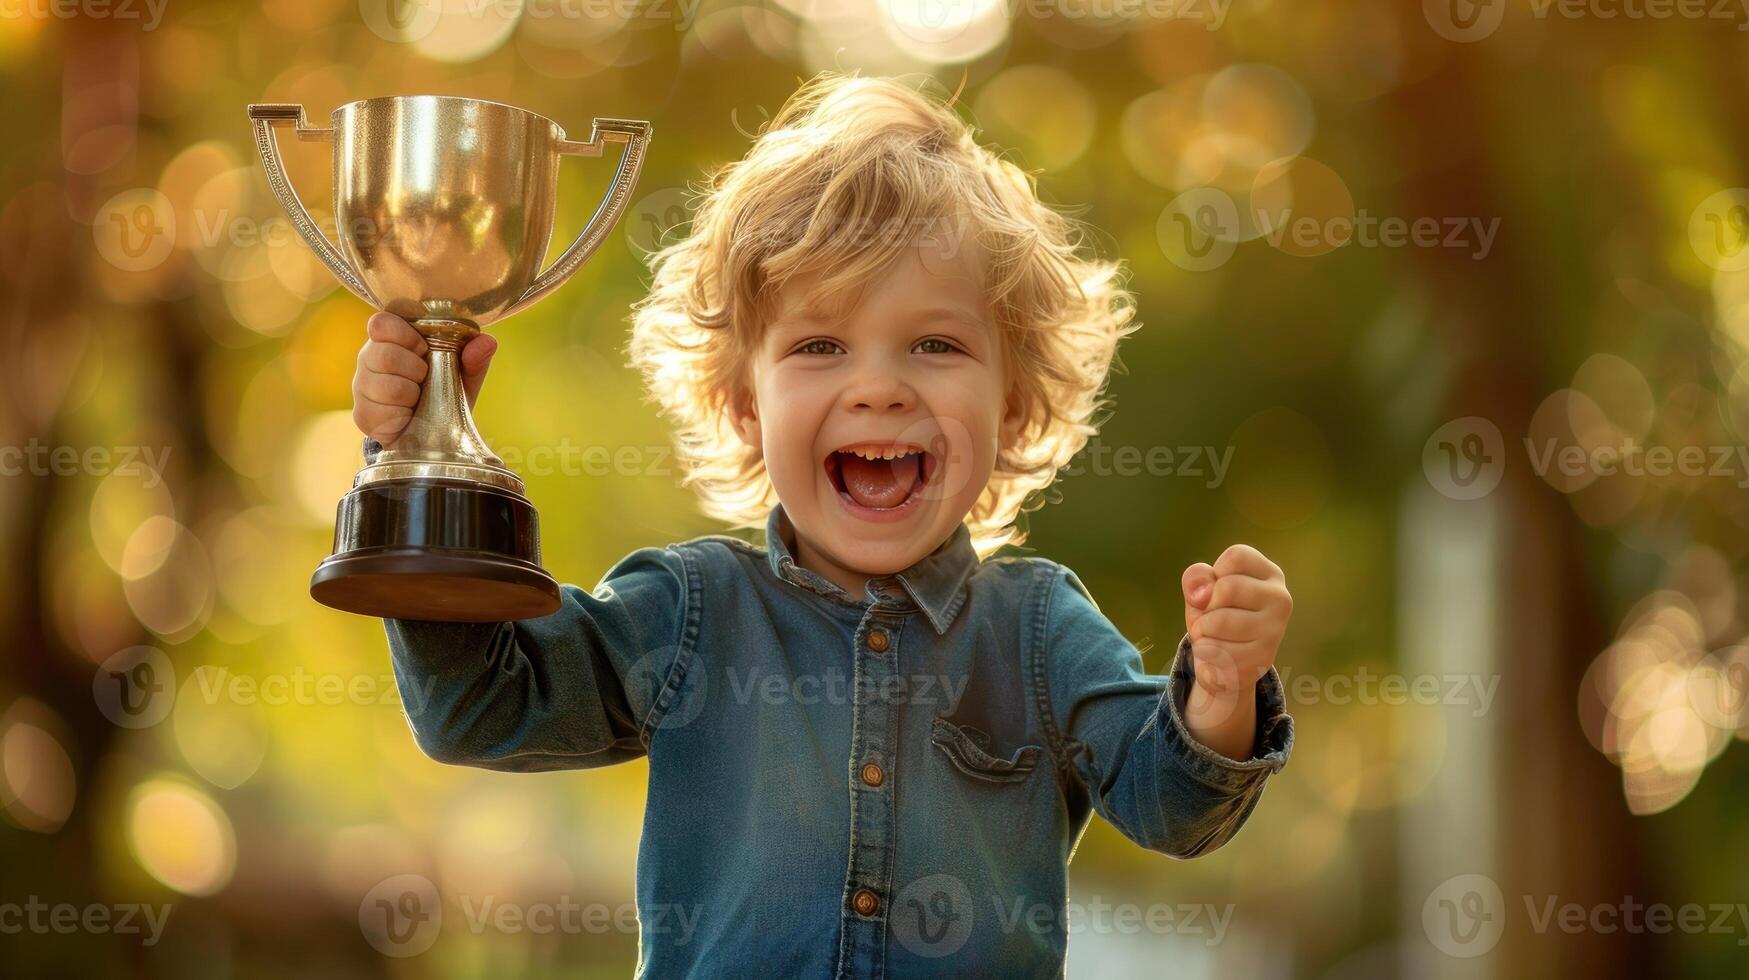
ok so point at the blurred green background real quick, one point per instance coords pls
(1426, 278)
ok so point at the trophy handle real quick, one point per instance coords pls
(635, 134)
(266, 116)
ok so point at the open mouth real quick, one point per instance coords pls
(883, 477)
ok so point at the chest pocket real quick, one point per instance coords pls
(971, 752)
(984, 731)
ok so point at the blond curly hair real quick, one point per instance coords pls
(838, 184)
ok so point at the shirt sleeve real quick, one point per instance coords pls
(580, 688)
(1121, 732)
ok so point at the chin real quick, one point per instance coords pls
(871, 550)
(883, 561)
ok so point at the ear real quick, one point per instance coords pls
(743, 410)
(1014, 418)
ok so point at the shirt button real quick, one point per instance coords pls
(872, 775)
(865, 902)
(877, 640)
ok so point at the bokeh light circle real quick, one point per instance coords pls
(181, 837)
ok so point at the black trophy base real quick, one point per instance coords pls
(447, 550)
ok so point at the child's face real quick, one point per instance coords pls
(915, 370)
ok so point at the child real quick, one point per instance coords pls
(870, 744)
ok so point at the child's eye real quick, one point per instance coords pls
(935, 345)
(819, 347)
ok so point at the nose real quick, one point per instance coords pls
(877, 387)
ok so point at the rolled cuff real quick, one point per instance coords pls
(1273, 741)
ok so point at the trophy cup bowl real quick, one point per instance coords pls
(443, 208)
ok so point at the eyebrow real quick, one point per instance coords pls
(810, 316)
(959, 313)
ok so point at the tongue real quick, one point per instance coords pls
(878, 482)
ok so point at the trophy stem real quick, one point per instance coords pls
(442, 440)
(442, 422)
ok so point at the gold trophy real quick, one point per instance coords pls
(444, 208)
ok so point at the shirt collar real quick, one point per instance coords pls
(936, 583)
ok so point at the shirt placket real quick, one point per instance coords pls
(873, 740)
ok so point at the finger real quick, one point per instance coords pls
(1242, 559)
(1233, 625)
(373, 417)
(1242, 591)
(386, 358)
(388, 328)
(1216, 668)
(1198, 583)
(1233, 663)
(476, 358)
(384, 424)
(390, 390)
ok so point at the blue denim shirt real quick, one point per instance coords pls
(844, 786)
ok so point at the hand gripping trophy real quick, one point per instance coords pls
(444, 207)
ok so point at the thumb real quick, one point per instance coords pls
(476, 358)
(1199, 588)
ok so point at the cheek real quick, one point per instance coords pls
(980, 410)
(970, 426)
(790, 424)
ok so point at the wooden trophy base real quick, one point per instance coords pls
(436, 549)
